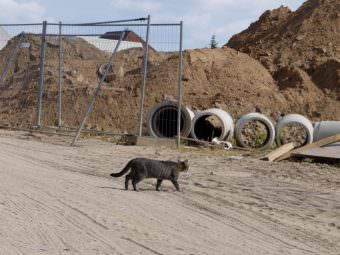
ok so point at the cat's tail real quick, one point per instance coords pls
(124, 171)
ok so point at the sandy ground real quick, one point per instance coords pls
(56, 199)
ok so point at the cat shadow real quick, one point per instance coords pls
(111, 188)
(152, 189)
(140, 189)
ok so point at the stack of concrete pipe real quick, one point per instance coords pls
(162, 122)
(274, 133)
(314, 132)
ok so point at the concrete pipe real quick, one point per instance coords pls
(250, 117)
(294, 119)
(212, 123)
(162, 120)
(325, 129)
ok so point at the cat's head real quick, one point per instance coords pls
(184, 165)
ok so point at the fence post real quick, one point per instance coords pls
(180, 65)
(96, 92)
(10, 60)
(60, 52)
(145, 68)
(42, 74)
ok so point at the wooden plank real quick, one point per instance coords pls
(320, 143)
(202, 143)
(194, 140)
(279, 152)
(331, 151)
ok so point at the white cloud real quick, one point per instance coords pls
(13, 11)
(201, 18)
(146, 5)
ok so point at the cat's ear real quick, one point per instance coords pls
(185, 162)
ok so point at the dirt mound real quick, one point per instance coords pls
(212, 78)
(308, 38)
(222, 78)
(327, 76)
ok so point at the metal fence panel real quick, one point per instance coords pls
(19, 70)
(56, 68)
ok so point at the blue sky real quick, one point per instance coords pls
(201, 18)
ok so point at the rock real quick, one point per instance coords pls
(80, 78)
(299, 38)
(73, 73)
(320, 50)
(168, 97)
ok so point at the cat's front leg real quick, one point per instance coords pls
(159, 182)
(175, 183)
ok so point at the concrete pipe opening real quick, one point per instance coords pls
(162, 120)
(212, 123)
(254, 130)
(294, 128)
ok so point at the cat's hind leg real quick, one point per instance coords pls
(159, 182)
(127, 179)
(175, 183)
(134, 183)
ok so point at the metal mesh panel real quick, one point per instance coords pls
(163, 79)
(19, 72)
(61, 65)
(85, 53)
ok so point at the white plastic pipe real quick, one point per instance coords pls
(294, 119)
(162, 120)
(200, 131)
(255, 117)
(325, 129)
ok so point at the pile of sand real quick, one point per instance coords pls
(307, 39)
(221, 78)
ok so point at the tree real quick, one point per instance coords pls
(213, 42)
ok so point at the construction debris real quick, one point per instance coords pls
(227, 145)
(330, 151)
(318, 144)
(272, 156)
